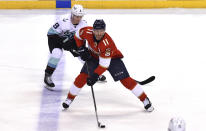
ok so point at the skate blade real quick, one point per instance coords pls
(102, 81)
(64, 109)
(49, 88)
(151, 109)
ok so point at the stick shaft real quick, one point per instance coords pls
(95, 106)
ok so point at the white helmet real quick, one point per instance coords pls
(78, 10)
(176, 124)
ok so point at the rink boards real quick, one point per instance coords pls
(101, 4)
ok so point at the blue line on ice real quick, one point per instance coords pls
(51, 102)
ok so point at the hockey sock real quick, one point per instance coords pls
(136, 88)
(53, 61)
(79, 82)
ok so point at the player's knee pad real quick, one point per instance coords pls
(81, 80)
(55, 58)
(129, 83)
(56, 53)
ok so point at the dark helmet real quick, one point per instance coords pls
(99, 24)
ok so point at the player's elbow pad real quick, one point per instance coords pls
(104, 62)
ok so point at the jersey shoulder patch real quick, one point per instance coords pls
(65, 19)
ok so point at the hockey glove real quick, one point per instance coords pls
(75, 53)
(91, 80)
(84, 53)
(68, 41)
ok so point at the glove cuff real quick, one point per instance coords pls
(95, 75)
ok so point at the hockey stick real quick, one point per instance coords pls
(95, 107)
(98, 123)
(147, 81)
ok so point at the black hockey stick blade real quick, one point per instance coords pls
(147, 81)
(100, 125)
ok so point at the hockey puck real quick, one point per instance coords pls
(102, 126)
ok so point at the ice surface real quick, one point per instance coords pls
(167, 43)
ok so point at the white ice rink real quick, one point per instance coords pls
(167, 43)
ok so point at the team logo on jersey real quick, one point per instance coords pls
(108, 52)
(65, 20)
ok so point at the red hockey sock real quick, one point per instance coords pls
(129, 83)
(81, 80)
(70, 96)
(142, 96)
(136, 89)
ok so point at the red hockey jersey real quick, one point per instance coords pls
(104, 50)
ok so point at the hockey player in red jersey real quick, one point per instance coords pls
(60, 38)
(101, 55)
